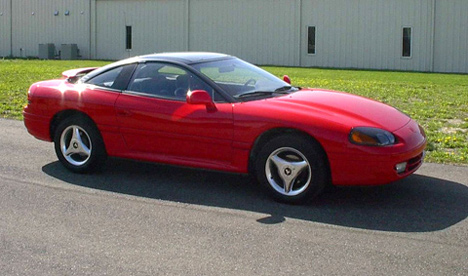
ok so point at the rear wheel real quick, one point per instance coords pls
(291, 168)
(79, 146)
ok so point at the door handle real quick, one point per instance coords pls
(123, 112)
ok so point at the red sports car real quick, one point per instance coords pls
(215, 111)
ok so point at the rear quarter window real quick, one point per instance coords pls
(116, 78)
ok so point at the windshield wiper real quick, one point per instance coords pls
(281, 90)
(284, 88)
(254, 94)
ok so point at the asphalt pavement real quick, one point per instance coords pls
(146, 219)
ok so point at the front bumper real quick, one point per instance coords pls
(376, 166)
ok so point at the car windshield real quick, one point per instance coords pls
(243, 80)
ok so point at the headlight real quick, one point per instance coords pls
(370, 136)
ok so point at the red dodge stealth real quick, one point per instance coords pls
(215, 111)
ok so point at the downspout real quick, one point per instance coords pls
(433, 23)
(93, 27)
(187, 25)
(90, 30)
(11, 28)
(300, 32)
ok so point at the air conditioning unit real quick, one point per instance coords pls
(47, 51)
(69, 51)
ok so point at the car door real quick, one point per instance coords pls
(96, 97)
(158, 124)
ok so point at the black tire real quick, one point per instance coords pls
(292, 159)
(82, 152)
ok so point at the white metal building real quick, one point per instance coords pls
(415, 35)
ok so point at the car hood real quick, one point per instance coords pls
(337, 108)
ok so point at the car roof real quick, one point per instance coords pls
(185, 57)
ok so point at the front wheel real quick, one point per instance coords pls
(291, 168)
(79, 146)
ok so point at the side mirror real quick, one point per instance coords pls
(201, 97)
(287, 79)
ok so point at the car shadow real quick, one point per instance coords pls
(415, 204)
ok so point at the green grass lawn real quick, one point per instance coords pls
(439, 102)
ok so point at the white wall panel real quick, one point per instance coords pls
(349, 33)
(451, 36)
(262, 32)
(367, 33)
(34, 22)
(157, 26)
(5, 28)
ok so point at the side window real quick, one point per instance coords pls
(165, 81)
(116, 78)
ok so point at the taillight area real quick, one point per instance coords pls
(31, 93)
(421, 130)
(29, 96)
